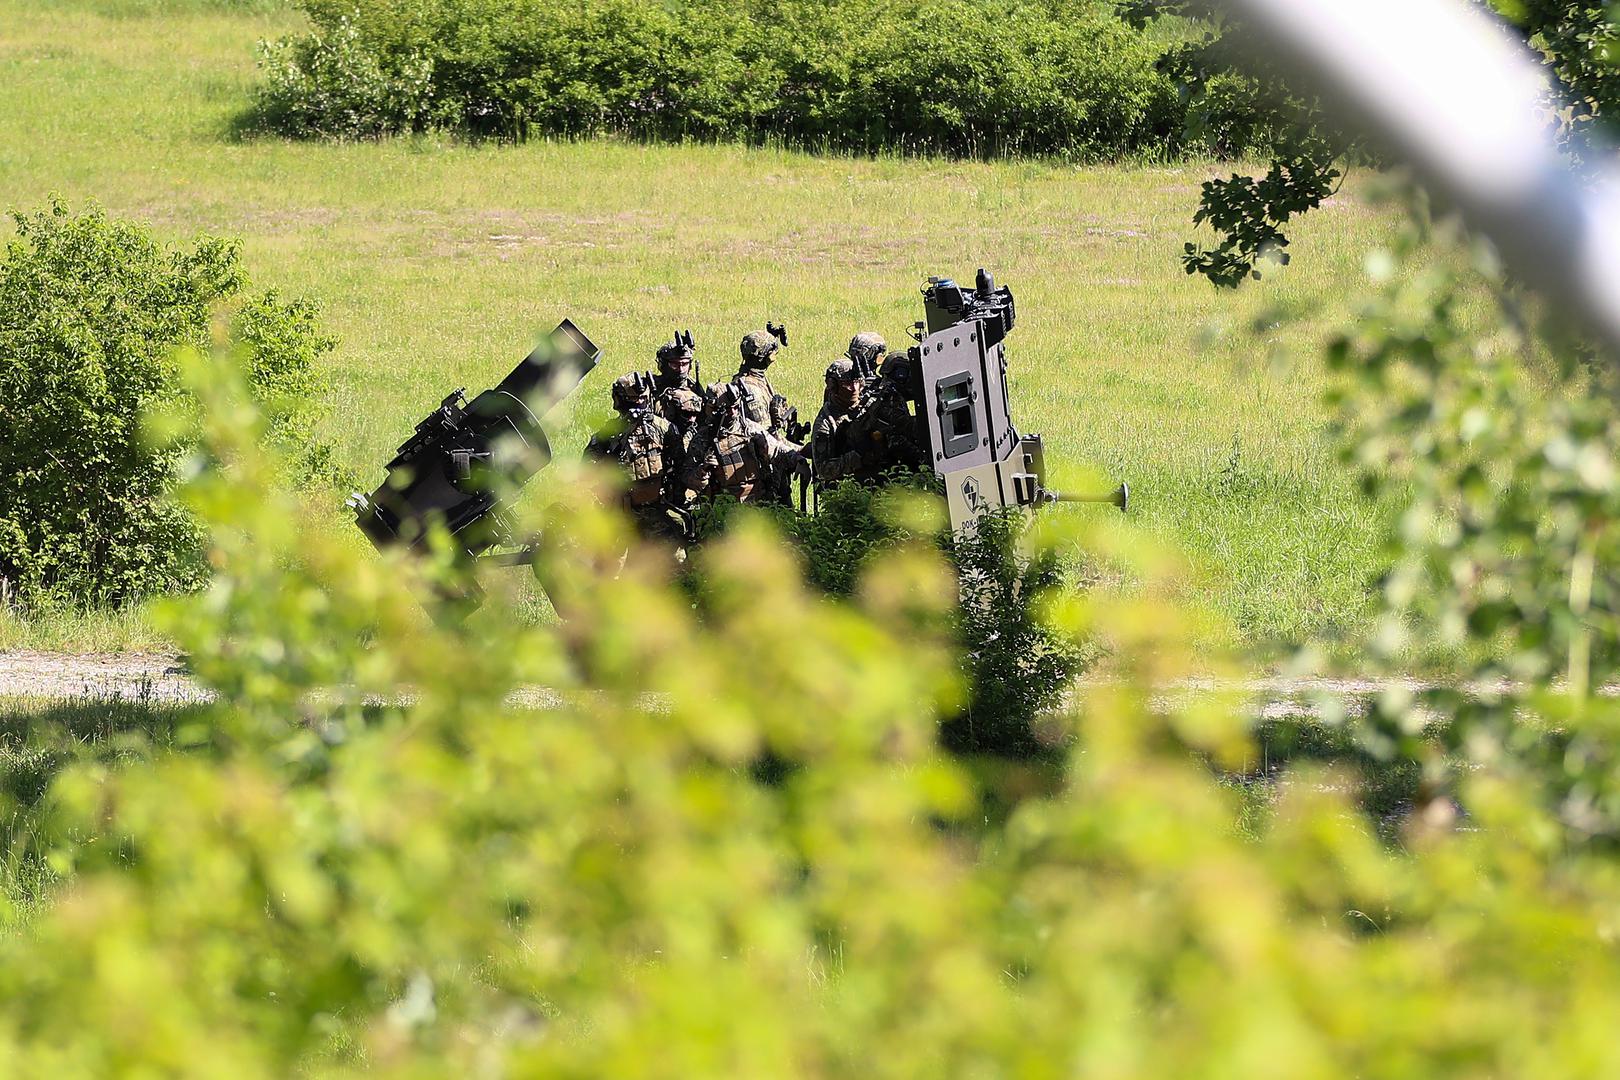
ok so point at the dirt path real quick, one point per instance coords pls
(159, 677)
(129, 676)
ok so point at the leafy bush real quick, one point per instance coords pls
(850, 524)
(91, 310)
(330, 84)
(448, 883)
(952, 76)
(1019, 668)
(1016, 668)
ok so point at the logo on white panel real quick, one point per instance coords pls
(970, 494)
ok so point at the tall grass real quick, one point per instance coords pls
(439, 263)
(140, 9)
(38, 739)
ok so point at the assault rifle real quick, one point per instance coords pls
(787, 416)
(453, 472)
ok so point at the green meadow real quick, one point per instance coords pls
(439, 263)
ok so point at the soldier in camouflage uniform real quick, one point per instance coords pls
(740, 457)
(762, 404)
(649, 451)
(835, 458)
(693, 477)
(677, 396)
(884, 430)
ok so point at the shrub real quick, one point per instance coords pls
(448, 883)
(91, 311)
(1020, 668)
(975, 77)
(329, 84)
(1016, 667)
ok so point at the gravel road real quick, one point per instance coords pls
(159, 677)
(131, 676)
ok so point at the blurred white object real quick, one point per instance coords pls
(1458, 97)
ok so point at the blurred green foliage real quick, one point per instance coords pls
(1016, 668)
(1500, 439)
(966, 77)
(38, 740)
(370, 857)
(91, 311)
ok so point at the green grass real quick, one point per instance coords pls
(40, 738)
(439, 264)
(92, 631)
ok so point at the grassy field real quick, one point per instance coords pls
(40, 738)
(438, 264)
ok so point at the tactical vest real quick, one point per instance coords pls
(738, 464)
(757, 393)
(641, 452)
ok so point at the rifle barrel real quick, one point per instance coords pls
(1120, 497)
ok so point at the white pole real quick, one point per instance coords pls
(1451, 91)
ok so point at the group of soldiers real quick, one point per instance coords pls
(678, 441)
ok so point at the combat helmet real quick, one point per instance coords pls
(679, 348)
(727, 403)
(759, 347)
(687, 403)
(865, 347)
(842, 370)
(632, 392)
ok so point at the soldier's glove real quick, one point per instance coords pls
(802, 468)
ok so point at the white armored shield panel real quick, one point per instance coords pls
(965, 389)
(976, 448)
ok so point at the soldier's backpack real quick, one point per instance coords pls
(641, 452)
(737, 462)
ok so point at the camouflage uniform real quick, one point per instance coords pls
(741, 458)
(699, 439)
(763, 407)
(834, 458)
(882, 428)
(649, 450)
(677, 397)
(683, 409)
(761, 403)
(887, 424)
